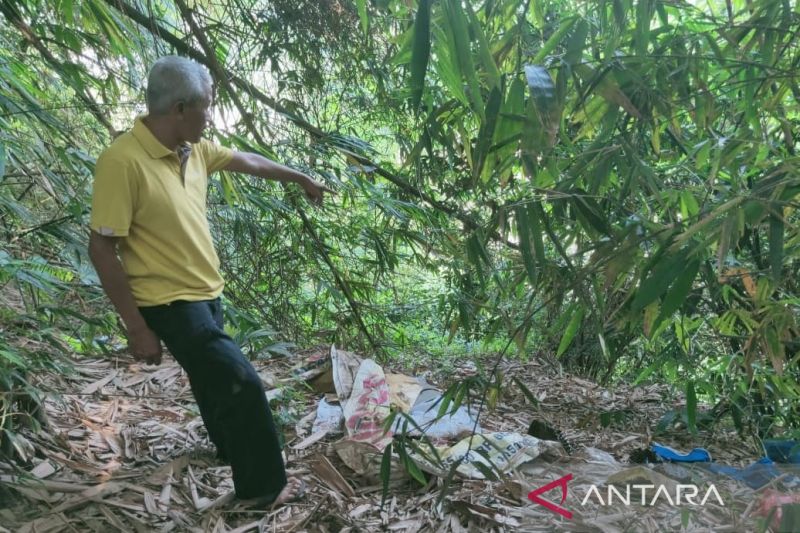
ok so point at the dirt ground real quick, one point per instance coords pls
(125, 449)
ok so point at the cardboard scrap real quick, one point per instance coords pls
(361, 457)
(328, 474)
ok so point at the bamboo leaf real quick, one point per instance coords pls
(448, 480)
(651, 312)
(775, 349)
(572, 328)
(12, 358)
(644, 14)
(447, 67)
(361, 5)
(447, 399)
(486, 132)
(678, 291)
(420, 52)
(2, 160)
(691, 407)
(726, 237)
(776, 227)
(486, 470)
(477, 256)
(526, 392)
(525, 229)
(463, 52)
(509, 128)
(555, 39)
(576, 43)
(659, 280)
(416, 473)
(608, 88)
(488, 62)
(588, 208)
(463, 389)
(386, 472)
(695, 228)
(536, 217)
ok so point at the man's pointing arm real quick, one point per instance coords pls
(257, 165)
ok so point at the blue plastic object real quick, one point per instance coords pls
(754, 476)
(697, 455)
(783, 451)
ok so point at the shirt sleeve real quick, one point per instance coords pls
(113, 197)
(215, 156)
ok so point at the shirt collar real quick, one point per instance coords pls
(151, 145)
(184, 151)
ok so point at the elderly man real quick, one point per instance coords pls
(152, 249)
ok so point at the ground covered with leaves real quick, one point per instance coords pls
(124, 449)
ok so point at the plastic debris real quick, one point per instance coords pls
(403, 391)
(775, 504)
(313, 367)
(783, 450)
(316, 370)
(345, 366)
(697, 455)
(594, 455)
(483, 453)
(368, 406)
(677, 472)
(425, 413)
(330, 418)
(754, 476)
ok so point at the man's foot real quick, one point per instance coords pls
(294, 490)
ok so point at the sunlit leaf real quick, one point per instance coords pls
(457, 22)
(361, 5)
(572, 328)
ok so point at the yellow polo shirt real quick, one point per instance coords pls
(141, 194)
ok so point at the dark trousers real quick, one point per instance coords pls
(228, 392)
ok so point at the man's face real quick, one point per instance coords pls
(194, 118)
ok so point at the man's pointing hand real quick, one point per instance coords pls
(314, 190)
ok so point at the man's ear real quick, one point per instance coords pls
(180, 107)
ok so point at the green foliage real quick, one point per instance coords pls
(421, 51)
(632, 211)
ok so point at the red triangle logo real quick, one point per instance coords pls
(534, 496)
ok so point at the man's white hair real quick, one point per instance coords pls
(173, 79)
